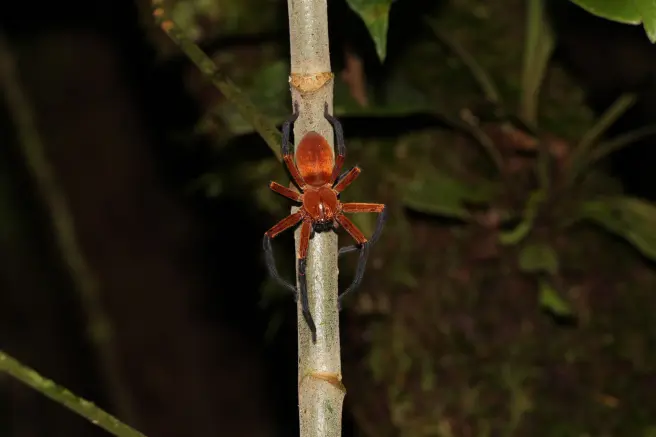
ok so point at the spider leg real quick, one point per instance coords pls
(342, 176)
(380, 223)
(364, 254)
(347, 179)
(306, 232)
(281, 226)
(339, 142)
(287, 192)
(287, 150)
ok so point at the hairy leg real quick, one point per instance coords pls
(306, 231)
(287, 192)
(339, 142)
(269, 258)
(380, 224)
(347, 179)
(363, 245)
(287, 150)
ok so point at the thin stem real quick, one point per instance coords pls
(613, 145)
(538, 47)
(246, 108)
(489, 90)
(592, 136)
(321, 393)
(470, 124)
(480, 76)
(64, 397)
(99, 328)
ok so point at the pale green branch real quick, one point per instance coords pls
(321, 393)
(64, 397)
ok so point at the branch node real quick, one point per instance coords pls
(309, 83)
(334, 379)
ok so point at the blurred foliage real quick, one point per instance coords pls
(538, 258)
(210, 20)
(455, 343)
(441, 194)
(629, 12)
(632, 219)
(375, 14)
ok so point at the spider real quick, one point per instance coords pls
(317, 174)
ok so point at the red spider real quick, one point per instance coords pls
(316, 172)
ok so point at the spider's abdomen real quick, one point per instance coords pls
(314, 159)
(321, 204)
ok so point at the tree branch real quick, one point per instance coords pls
(64, 397)
(320, 390)
(223, 83)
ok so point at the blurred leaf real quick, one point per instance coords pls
(630, 218)
(538, 258)
(628, 12)
(375, 14)
(185, 14)
(538, 47)
(444, 195)
(211, 19)
(649, 431)
(269, 91)
(210, 183)
(552, 301)
(402, 94)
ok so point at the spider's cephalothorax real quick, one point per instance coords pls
(317, 174)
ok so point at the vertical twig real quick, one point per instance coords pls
(468, 122)
(64, 397)
(320, 390)
(481, 77)
(538, 47)
(99, 328)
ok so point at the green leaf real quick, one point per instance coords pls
(628, 12)
(630, 218)
(443, 195)
(552, 301)
(375, 14)
(538, 258)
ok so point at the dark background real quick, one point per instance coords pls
(180, 272)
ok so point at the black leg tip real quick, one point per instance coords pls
(310, 322)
